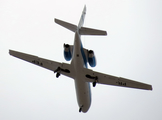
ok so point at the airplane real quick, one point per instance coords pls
(78, 67)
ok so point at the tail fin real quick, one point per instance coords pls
(88, 31)
(81, 22)
(67, 25)
(70, 26)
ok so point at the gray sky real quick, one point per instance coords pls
(132, 49)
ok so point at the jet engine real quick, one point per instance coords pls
(91, 58)
(68, 49)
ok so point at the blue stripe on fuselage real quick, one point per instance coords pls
(83, 56)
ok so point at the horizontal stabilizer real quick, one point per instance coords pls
(89, 31)
(67, 25)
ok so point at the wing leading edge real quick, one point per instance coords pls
(96, 77)
(61, 68)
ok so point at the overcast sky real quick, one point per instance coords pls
(132, 49)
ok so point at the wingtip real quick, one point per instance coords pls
(10, 51)
(106, 33)
(55, 20)
(85, 6)
(151, 89)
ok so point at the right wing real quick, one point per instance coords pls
(61, 68)
(96, 77)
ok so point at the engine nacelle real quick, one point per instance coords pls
(91, 58)
(68, 52)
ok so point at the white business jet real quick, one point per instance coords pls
(77, 69)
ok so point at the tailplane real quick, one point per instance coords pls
(90, 31)
(67, 25)
(82, 30)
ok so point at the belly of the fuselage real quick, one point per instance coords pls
(83, 94)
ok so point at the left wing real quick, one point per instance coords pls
(61, 68)
(96, 77)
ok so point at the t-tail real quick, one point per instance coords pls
(82, 30)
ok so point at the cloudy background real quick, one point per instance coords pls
(132, 49)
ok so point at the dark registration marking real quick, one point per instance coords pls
(121, 83)
(37, 62)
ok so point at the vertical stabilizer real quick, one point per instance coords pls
(81, 22)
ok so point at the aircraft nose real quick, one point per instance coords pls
(83, 109)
